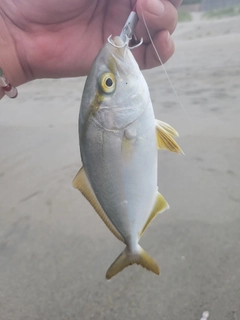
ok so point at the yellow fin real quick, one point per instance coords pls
(127, 258)
(165, 139)
(81, 183)
(168, 128)
(160, 205)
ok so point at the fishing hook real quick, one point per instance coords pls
(126, 43)
(115, 45)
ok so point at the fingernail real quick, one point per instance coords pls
(160, 8)
(167, 36)
(156, 7)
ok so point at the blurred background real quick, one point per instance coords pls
(55, 250)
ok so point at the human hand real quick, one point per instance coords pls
(61, 38)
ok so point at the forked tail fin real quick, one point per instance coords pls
(127, 258)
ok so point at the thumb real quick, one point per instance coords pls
(159, 15)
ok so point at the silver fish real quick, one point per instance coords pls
(119, 138)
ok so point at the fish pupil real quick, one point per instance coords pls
(109, 82)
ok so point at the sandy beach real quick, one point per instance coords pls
(55, 250)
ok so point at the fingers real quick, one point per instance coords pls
(159, 15)
(146, 55)
(161, 19)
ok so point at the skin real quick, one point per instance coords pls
(53, 39)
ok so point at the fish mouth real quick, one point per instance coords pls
(118, 42)
(121, 60)
(119, 48)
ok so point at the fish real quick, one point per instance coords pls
(119, 139)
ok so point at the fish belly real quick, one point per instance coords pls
(122, 169)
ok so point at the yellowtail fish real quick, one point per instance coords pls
(119, 138)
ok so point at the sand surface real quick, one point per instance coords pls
(55, 250)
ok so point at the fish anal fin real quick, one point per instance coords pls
(165, 134)
(81, 183)
(126, 258)
(160, 205)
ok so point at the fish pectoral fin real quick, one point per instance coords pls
(82, 183)
(170, 130)
(126, 258)
(160, 206)
(165, 134)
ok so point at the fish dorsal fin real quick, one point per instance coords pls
(165, 134)
(160, 205)
(81, 183)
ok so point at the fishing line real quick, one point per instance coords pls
(164, 69)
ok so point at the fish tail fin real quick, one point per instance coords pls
(127, 258)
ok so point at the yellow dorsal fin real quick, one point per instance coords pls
(165, 134)
(81, 183)
(160, 205)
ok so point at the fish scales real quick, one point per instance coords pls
(119, 140)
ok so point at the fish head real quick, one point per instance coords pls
(115, 92)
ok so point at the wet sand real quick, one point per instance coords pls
(55, 250)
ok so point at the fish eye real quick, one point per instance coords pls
(108, 82)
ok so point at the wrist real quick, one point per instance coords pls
(9, 59)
